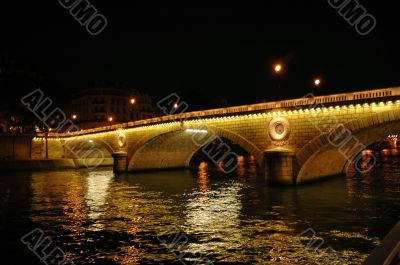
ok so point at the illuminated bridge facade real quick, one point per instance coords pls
(292, 141)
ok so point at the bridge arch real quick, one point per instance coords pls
(87, 148)
(335, 155)
(175, 147)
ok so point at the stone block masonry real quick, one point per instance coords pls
(166, 142)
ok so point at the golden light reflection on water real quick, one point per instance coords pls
(216, 219)
(252, 166)
(98, 184)
(215, 215)
(203, 177)
(228, 218)
(75, 208)
(241, 169)
(49, 191)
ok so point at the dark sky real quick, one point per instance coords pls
(204, 51)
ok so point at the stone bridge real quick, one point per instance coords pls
(293, 141)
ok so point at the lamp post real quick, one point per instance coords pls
(133, 102)
(317, 82)
(46, 135)
(278, 70)
(47, 146)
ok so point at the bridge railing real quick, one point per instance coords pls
(292, 103)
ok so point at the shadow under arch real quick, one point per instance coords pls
(87, 148)
(176, 147)
(320, 158)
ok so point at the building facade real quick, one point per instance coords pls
(4, 123)
(104, 106)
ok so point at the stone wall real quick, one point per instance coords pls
(15, 147)
(250, 131)
(164, 142)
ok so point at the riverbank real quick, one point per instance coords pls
(52, 164)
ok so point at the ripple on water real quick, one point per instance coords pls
(99, 218)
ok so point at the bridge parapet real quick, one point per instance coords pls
(298, 126)
(305, 102)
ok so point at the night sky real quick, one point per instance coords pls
(212, 54)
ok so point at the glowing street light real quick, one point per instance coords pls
(317, 82)
(110, 119)
(133, 101)
(176, 105)
(278, 68)
(74, 116)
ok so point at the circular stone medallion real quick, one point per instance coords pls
(121, 140)
(279, 129)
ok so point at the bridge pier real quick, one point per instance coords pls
(279, 167)
(120, 162)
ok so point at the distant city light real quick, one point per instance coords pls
(133, 101)
(176, 105)
(393, 138)
(110, 119)
(74, 116)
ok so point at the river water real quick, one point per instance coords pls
(198, 217)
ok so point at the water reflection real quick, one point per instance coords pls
(98, 184)
(213, 215)
(203, 178)
(62, 191)
(74, 205)
(102, 218)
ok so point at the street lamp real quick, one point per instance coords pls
(278, 68)
(74, 116)
(110, 119)
(317, 82)
(132, 101)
